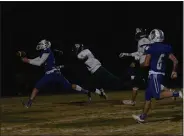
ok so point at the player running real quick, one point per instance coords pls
(156, 56)
(139, 55)
(52, 73)
(99, 76)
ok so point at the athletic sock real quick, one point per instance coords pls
(78, 88)
(175, 94)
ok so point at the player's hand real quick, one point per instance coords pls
(121, 55)
(25, 60)
(21, 54)
(136, 57)
(173, 75)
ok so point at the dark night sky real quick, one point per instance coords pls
(107, 27)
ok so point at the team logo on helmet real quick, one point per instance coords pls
(43, 44)
(156, 35)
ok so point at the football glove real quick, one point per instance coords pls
(121, 55)
(21, 54)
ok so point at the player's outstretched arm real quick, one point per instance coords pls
(38, 61)
(133, 54)
(121, 55)
(175, 64)
(84, 55)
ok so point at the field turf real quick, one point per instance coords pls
(71, 114)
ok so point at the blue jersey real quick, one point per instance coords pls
(49, 64)
(159, 53)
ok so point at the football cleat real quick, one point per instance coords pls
(180, 94)
(103, 94)
(27, 104)
(129, 102)
(137, 118)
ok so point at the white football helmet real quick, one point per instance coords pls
(156, 35)
(43, 44)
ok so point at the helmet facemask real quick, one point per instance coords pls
(43, 44)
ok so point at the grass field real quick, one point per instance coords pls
(72, 115)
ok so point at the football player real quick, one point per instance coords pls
(52, 73)
(141, 76)
(156, 56)
(99, 76)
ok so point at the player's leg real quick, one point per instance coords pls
(134, 94)
(67, 85)
(80, 89)
(93, 85)
(139, 80)
(165, 89)
(155, 87)
(107, 79)
(135, 88)
(40, 84)
(166, 93)
(101, 93)
(153, 90)
(147, 104)
(34, 93)
(132, 101)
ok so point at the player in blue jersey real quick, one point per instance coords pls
(52, 73)
(140, 78)
(156, 56)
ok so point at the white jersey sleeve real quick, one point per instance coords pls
(141, 49)
(39, 61)
(141, 42)
(84, 54)
(91, 62)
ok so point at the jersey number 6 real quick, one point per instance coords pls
(160, 60)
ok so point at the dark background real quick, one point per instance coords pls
(108, 28)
